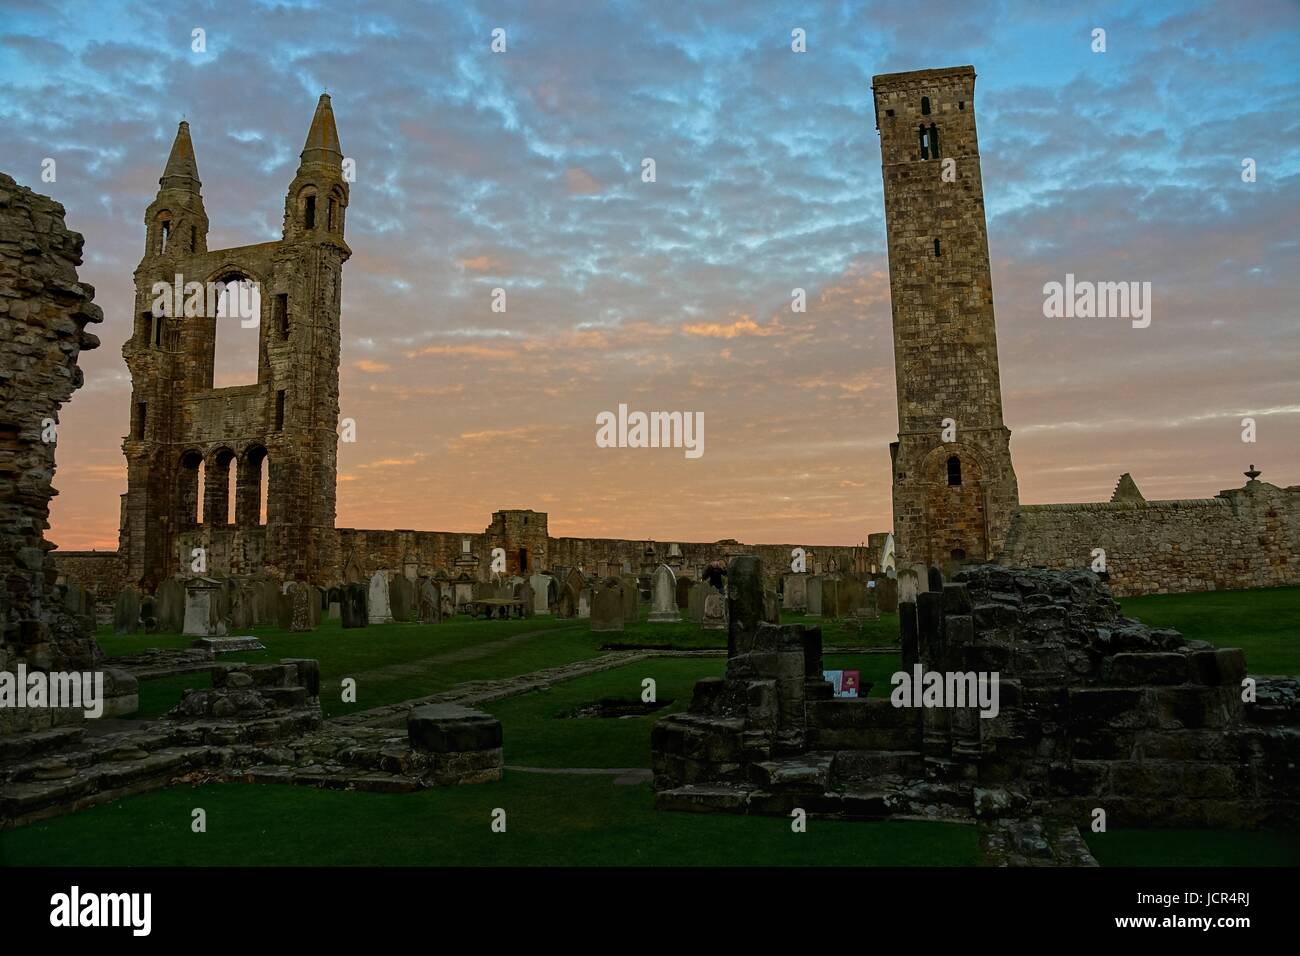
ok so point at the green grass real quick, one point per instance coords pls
(1264, 623)
(1195, 847)
(585, 820)
(550, 821)
(538, 734)
(396, 662)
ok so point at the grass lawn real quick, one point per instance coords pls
(550, 821)
(575, 820)
(1264, 623)
(396, 662)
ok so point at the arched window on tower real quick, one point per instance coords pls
(938, 250)
(925, 106)
(309, 211)
(924, 137)
(163, 232)
(954, 470)
(934, 141)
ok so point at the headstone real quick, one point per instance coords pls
(713, 610)
(794, 593)
(830, 601)
(430, 602)
(584, 604)
(334, 603)
(126, 611)
(169, 606)
(631, 596)
(447, 603)
(318, 604)
(663, 597)
(148, 615)
(541, 585)
(239, 598)
(353, 608)
(524, 595)
(887, 594)
(771, 607)
(76, 600)
(266, 601)
(378, 600)
(908, 587)
(302, 597)
(695, 601)
(463, 590)
(814, 594)
(684, 584)
(401, 598)
(203, 608)
(608, 605)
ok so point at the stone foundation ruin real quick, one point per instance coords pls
(1094, 711)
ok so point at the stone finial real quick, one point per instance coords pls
(1253, 474)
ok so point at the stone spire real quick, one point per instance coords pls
(322, 146)
(182, 170)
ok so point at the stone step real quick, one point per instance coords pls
(717, 798)
(331, 777)
(38, 743)
(851, 766)
(61, 787)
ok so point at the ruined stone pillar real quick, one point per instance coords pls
(744, 602)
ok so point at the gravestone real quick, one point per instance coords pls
(771, 607)
(584, 604)
(695, 601)
(266, 600)
(524, 595)
(684, 584)
(631, 595)
(447, 603)
(334, 603)
(430, 602)
(301, 597)
(169, 606)
(608, 605)
(378, 600)
(814, 594)
(663, 597)
(239, 599)
(148, 615)
(830, 599)
(713, 612)
(203, 608)
(318, 605)
(908, 587)
(541, 585)
(794, 593)
(463, 590)
(401, 598)
(353, 607)
(887, 594)
(126, 611)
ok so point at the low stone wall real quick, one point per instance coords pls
(1243, 538)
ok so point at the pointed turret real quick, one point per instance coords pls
(176, 221)
(182, 170)
(318, 196)
(322, 146)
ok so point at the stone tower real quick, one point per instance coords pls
(953, 499)
(282, 430)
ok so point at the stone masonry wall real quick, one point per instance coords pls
(1244, 538)
(44, 311)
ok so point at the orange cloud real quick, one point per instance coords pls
(742, 326)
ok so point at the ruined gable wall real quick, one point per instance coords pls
(1244, 538)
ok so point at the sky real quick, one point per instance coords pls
(521, 170)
